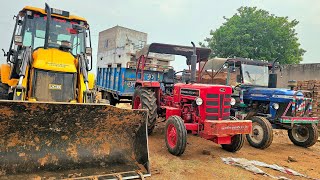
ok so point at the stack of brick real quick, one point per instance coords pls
(313, 89)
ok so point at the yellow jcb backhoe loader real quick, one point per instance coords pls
(50, 126)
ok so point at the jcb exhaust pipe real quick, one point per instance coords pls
(193, 64)
(46, 39)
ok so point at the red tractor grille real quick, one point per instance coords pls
(218, 106)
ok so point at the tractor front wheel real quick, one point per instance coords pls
(303, 135)
(262, 134)
(237, 141)
(144, 98)
(175, 135)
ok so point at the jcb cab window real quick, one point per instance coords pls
(60, 30)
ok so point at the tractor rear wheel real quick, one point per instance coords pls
(237, 141)
(175, 135)
(4, 91)
(303, 135)
(144, 98)
(262, 134)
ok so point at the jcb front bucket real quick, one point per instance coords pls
(60, 140)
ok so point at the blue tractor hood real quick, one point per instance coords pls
(269, 94)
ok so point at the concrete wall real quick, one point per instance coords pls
(298, 72)
(117, 45)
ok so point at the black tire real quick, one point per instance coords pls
(148, 101)
(4, 91)
(180, 144)
(262, 134)
(111, 99)
(237, 141)
(304, 135)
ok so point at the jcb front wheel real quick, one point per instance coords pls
(262, 134)
(175, 135)
(144, 98)
(303, 135)
(4, 91)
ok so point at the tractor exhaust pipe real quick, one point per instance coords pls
(193, 64)
(273, 76)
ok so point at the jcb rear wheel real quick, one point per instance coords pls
(175, 135)
(237, 141)
(144, 98)
(303, 135)
(262, 134)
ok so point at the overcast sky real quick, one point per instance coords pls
(173, 21)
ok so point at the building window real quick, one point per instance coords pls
(106, 44)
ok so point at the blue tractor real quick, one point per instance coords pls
(258, 99)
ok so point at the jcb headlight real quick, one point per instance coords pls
(199, 101)
(233, 101)
(275, 106)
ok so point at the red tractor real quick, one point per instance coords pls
(197, 108)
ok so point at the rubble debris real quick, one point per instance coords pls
(251, 165)
(206, 152)
(292, 159)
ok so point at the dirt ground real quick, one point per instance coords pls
(193, 164)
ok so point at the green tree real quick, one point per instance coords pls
(256, 34)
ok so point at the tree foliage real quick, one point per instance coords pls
(256, 34)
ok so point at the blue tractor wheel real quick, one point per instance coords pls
(262, 134)
(303, 135)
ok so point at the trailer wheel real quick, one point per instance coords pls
(4, 91)
(146, 99)
(237, 141)
(262, 134)
(304, 135)
(175, 135)
(111, 99)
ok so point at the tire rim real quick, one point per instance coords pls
(172, 135)
(257, 133)
(137, 103)
(300, 133)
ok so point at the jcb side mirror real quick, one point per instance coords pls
(18, 40)
(88, 51)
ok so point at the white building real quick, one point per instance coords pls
(118, 45)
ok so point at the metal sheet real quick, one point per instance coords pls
(202, 53)
(59, 139)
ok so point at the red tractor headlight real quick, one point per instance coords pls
(199, 101)
(232, 101)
